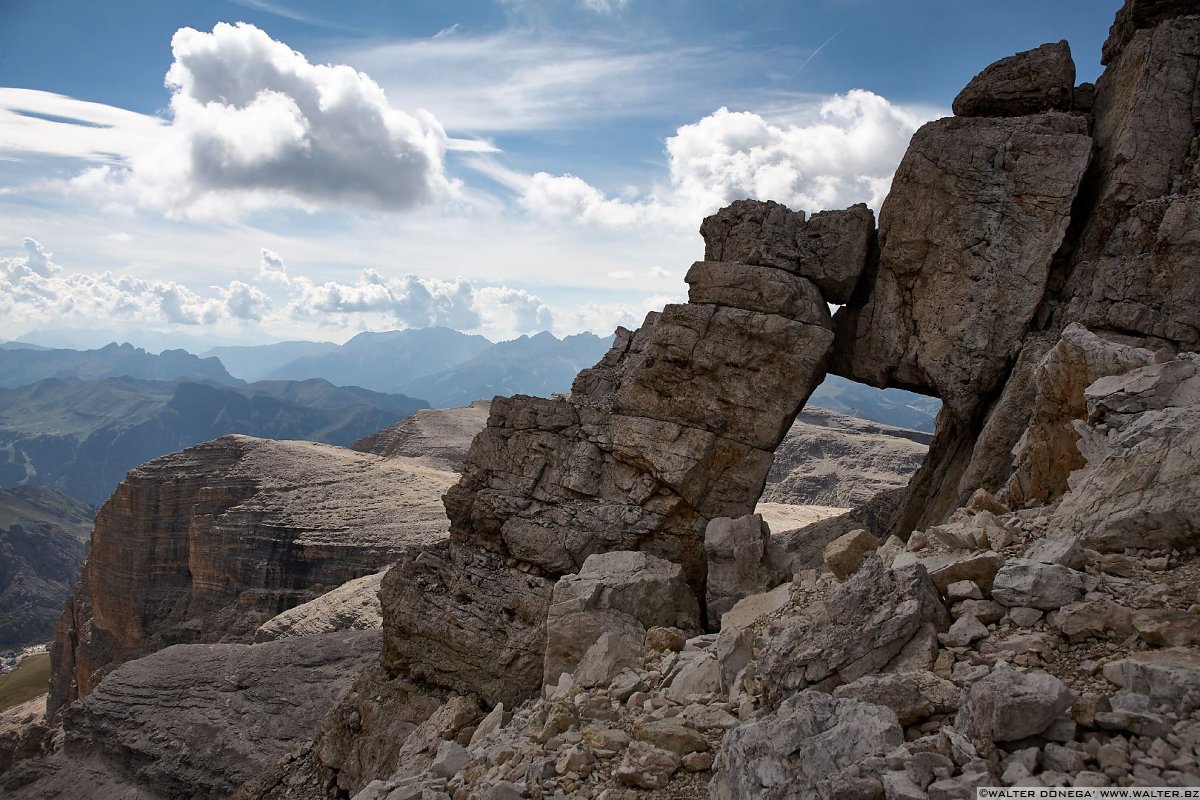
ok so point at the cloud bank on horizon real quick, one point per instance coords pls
(254, 128)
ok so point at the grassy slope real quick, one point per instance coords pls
(27, 681)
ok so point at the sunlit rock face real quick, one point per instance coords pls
(207, 544)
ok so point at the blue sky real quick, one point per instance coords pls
(501, 167)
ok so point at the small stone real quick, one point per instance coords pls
(1061, 759)
(844, 554)
(670, 734)
(646, 766)
(964, 631)
(665, 639)
(986, 611)
(697, 762)
(451, 758)
(1024, 617)
(963, 590)
(1021, 582)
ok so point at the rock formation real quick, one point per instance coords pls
(353, 606)
(196, 720)
(207, 544)
(438, 437)
(831, 460)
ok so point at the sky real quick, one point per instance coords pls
(261, 170)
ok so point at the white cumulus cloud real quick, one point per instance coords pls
(842, 151)
(253, 119)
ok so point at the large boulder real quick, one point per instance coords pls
(830, 248)
(742, 560)
(1142, 448)
(458, 618)
(978, 209)
(1042, 79)
(813, 745)
(1009, 705)
(622, 593)
(856, 630)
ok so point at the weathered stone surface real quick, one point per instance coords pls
(670, 734)
(1042, 79)
(646, 766)
(353, 606)
(1135, 15)
(383, 725)
(605, 659)
(206, 544)
(23, 731)
(623, 592)
(754, 288)
(675, 426)
(436, 437)
(830, 249)
(742, 560)
(912, 695)
(949, 567)
(986, 199)
(857, 630)
(1142, 448)
(1166, 627)
(1033, 584)
(1064, 550)
(829, 459)
(1047, 452)
(843, 555)
(458, 618)
(808, 747)
(1093, 619)
(1008, 705)
(1137, 248)
(1169, 678)
(965, 630)
(198, 720)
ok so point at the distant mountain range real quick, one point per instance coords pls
(389, 361)
(78, 420)
(82, 436)
(43, 541)
(537, 365)
(22, 365)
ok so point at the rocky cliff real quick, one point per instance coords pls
(43, 541)
(827, 459)
(207, 544)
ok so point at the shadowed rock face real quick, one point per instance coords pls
(197, 720)
(206, 544)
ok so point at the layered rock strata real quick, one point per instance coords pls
(207, 544)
